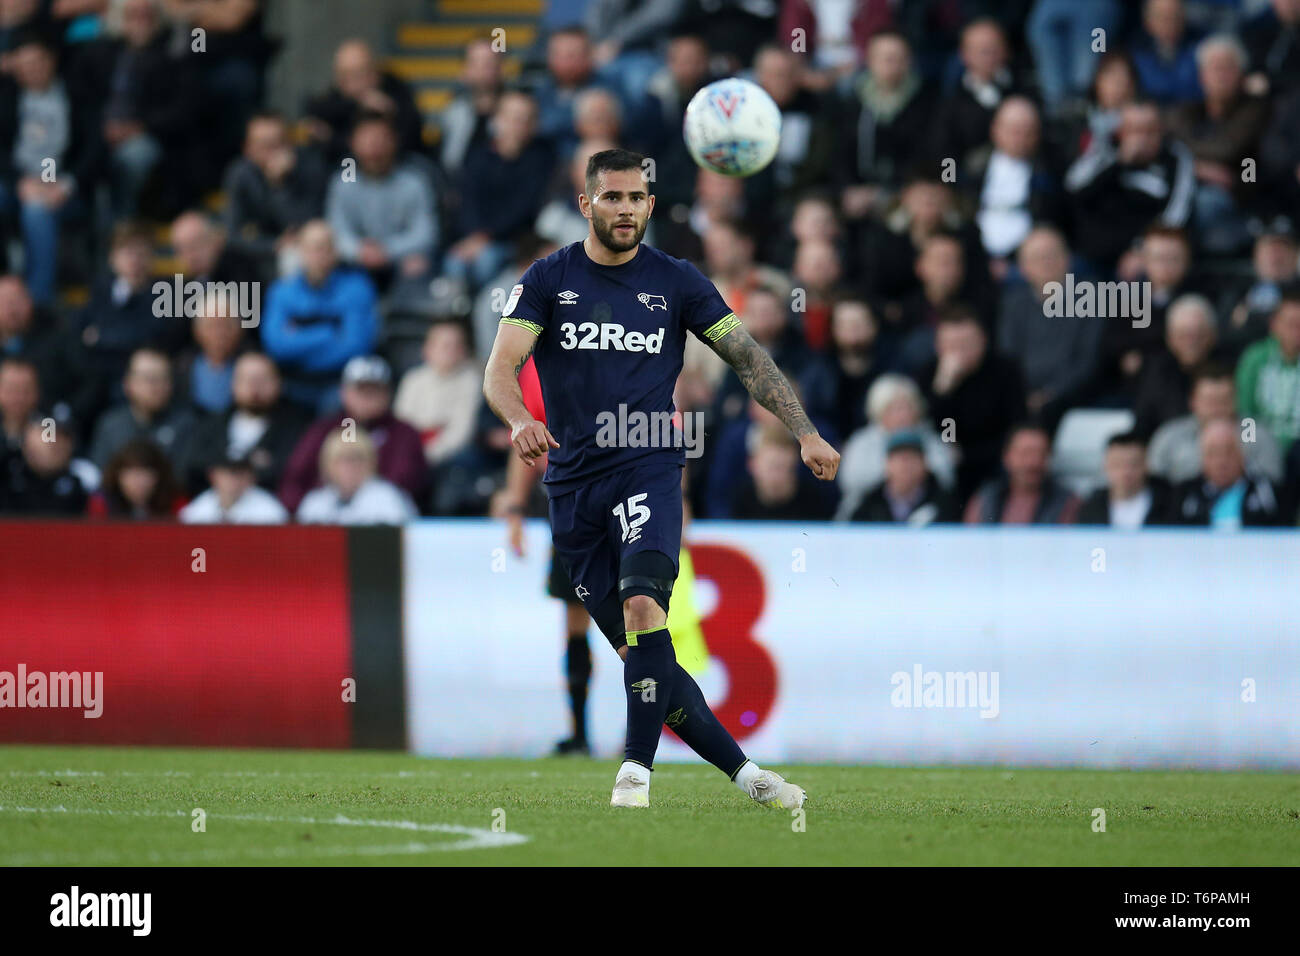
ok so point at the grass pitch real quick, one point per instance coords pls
(64, 806)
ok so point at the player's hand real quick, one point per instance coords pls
(532, 440)
(822, 460)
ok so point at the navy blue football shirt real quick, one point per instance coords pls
(609, 344)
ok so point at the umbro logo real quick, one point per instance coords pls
(567, 298)
(652, 302)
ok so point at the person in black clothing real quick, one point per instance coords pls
(835, 388)
(962, 120)
(149, 103)
(1224, 495)
(41, 484)
(1132, 498)
(973, 395)
(260, 428)
(1124, 183)
(271, 190)
(28, 332)
(910, 494)
(360, 88)
(773, 491)
(1165, 383)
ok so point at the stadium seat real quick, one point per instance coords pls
(1080, 445)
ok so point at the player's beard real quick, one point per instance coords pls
(610, 239)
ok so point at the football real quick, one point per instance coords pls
(732, 127)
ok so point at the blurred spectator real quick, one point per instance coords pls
(317, 320)
(367, 397)
(30, 333)
(1175, 452)
(925, 207)
(803, 158)
(148, 411)
(1224, 496)
(204, 376)
(20, 396)
(965, 114)
(1268, 375)
(1114, 86)
(885, 121)
(1025, 493)
(151, 104)
(502, 189)
(560, 221)
(1013, 184)
(836, 34)
(628, 32)
(1275, 266)
(360, 88)
(466, 120)
(260, 427)
(138, 485)
(1122, 185)
(598, 115)
(773, 491)
(440, 398)
(729, 264)
(1166, 380)
(907, 341)
(1060, 33)
(352, 493)
(716, 199)
(1273, 42)
(204, 255)
(1164, 260)
(1221, 131)
(835, 388)
(384, 219)
(1131, 499)
(894, 405)
(235, 52)
(910, 494)
(1279, 152)
(813, 220)
(272, 190)
(1057, 355)
(727, 458)
(50, 157)
(685, 71)
(570, 69)
(1164, 53)
(121, 316)
(817, 273)
(974, 396)
(43, 484)
(234, 498)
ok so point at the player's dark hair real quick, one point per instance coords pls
(612, 161)
(1131, 439)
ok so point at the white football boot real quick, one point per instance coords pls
(631, 786)
(770, 789)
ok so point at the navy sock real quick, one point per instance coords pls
(577, 666)
(690, 718)
(648, 676)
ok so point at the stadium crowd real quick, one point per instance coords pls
(942, 164)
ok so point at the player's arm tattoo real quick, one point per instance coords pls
(501, 380)
(761, 378)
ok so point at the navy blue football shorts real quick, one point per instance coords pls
(600, 529)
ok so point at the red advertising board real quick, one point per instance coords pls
(204, 635)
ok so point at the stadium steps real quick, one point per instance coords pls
(429, 55)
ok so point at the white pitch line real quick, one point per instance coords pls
(476, 838)
(398, 774)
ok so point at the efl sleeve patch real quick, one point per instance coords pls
(523, 324)
(721, 327)
(513, 301)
